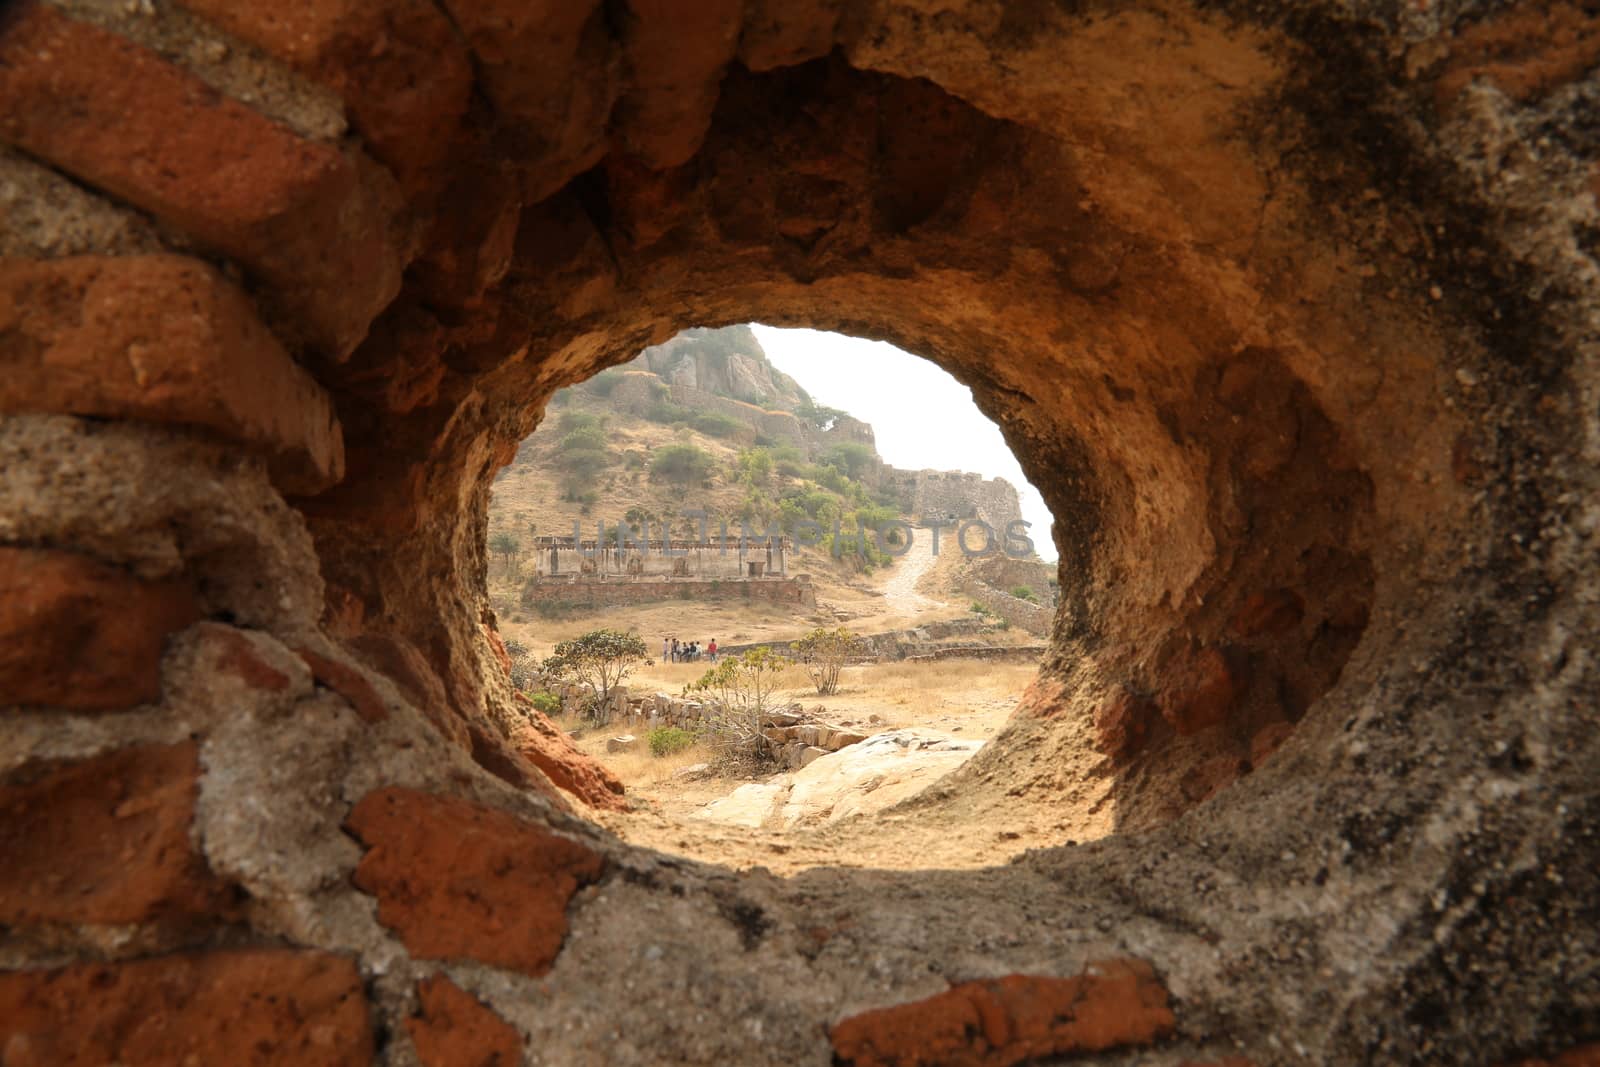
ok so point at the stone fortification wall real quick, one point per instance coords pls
(589, 592)
(1034, 618)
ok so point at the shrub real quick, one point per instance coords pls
(1022, 592)
(755, 466)
(681, 465)
(745, 685)
(667, 413)
(824, 653)
(716, 424)
(524, 668)
(852, 457)
(603, 383)
(545, 702)
(667, 740)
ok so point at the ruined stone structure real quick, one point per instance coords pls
(952, 496)
(644, 556)
(1287, 309)
(586, 591)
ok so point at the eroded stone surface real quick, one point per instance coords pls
(1287, 312)
(548, 748)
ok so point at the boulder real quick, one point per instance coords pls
(622, 743)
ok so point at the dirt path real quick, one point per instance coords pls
(900, 587)
(984, 814)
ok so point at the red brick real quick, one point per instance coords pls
(550, 750)
(453, 1029)
(397, 64)
(457, 880)
(77, 634)
(1113, 1004)
(1201, 690)
(300, 214)
(495, 754)
(348, 682)
(474, 233)
(782, 33)
(231, 651)
(245, 1008)
(164, 339)
(105, 840)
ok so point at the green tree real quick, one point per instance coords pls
(851, 457)
(572, 421)
(507, 547)
(824, 652)
(600, 659)
(755, 467)
(682, 465)
(819, 415)
(579, 469)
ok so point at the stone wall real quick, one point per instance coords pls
(588, 592)
(894, 644)
(646, 557)
(790, 737)
(1032, 617)
(956, 495)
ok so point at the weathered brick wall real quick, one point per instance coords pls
(1288, 309)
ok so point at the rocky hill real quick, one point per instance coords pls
(728, 363)
(705, 421)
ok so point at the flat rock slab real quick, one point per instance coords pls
(859, 780)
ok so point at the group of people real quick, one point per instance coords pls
(674, 651)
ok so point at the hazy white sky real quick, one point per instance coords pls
(922, 416)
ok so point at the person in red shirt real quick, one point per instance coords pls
(712, 649)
